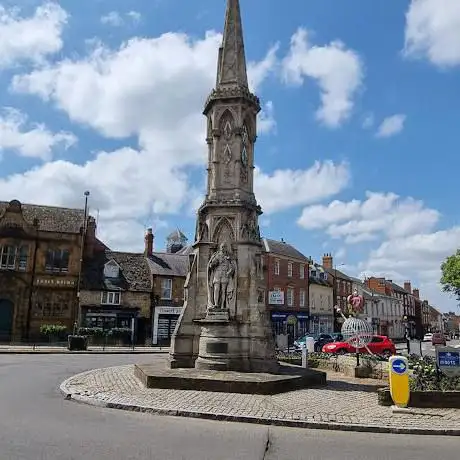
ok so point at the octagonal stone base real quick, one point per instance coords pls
(288, 378)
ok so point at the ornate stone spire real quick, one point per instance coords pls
(231, 69)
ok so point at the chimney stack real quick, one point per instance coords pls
(328, 261)
(416, 293)
(148, 251)
(407, 286)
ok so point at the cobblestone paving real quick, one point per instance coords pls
(344, 401)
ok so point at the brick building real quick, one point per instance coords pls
(115, 288)
(342, 288)
(286, 277)
(40, 252)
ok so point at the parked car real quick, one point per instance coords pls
(320, 341)
(380, 345)
(438, 339)
(427, 337)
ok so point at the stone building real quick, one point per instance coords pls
(168, 271)
(40, 252)
(342, 287)
(321, 300)
(115, 288)
(286, 278)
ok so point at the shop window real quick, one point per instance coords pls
(166, 289)
(289, 274)
(57, 260)
(49, 305)
(110, 298)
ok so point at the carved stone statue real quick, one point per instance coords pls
(221, 278)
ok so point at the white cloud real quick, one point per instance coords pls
(116, 19)
(30, 39)
(379, 215)
(286, 188)
(151, 89)
(432, 31)
(391, 126)
(30, 141)
(266, 122)
(337, 70)
(259, 71)
(416, 257)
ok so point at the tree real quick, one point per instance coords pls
(450, 279)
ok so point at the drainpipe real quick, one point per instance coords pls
(32, 281)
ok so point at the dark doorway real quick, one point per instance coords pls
(6, 320)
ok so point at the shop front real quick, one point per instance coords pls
(164, 323)
(290, 323)
(321, 324)
(108, 318)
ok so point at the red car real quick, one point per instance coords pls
(380, 345)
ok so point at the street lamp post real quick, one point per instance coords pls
(82, 248)
(335, 290)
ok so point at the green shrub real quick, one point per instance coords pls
(92, 331)
(425, 376)
(52, 329)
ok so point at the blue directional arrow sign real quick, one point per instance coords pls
(399, 366)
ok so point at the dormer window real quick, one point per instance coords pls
(111, 270)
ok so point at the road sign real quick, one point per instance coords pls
(448, 360)
(399, 380)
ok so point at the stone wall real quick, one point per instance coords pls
(347, 364)
(130, 299)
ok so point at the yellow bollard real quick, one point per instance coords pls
(399, 380)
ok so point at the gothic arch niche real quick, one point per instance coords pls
(227, 125)
(223, 232)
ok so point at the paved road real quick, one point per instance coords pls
(36, 423)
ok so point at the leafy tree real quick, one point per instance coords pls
(450, 279)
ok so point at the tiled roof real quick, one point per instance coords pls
(167, 264)
(334, 272)
(319, 281)
(51, 218)
(134, 272)
(398, 288)
(283, 249)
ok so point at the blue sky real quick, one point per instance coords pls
(357, 143)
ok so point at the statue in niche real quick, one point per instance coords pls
(221, 278)
(250, 229)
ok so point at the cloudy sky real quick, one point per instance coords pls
(358, 142)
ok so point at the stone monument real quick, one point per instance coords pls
(224, 324)
(223, 339)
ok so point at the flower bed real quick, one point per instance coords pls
(428, 386)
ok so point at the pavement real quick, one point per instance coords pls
(39, 424)
(345, 404)
(62, 349)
